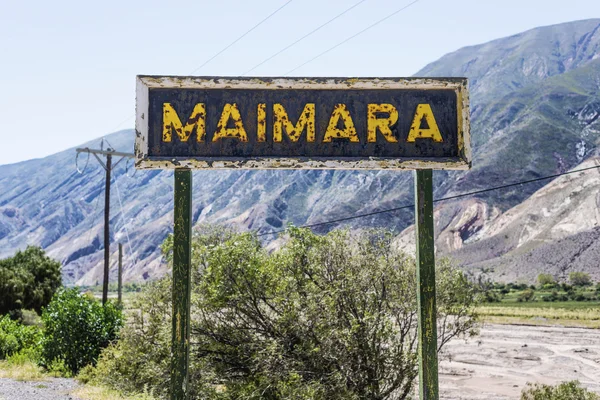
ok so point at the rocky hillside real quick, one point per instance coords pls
(556, 231)
(535, 108)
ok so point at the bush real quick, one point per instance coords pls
(565, 391)
(546, 279)
(526, 295)
(15, 337)
(329, 316)
(76, 329)
(28, 281)
(566, 287)
(580, 279)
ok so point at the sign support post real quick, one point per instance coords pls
(182, 257)
(426, 304)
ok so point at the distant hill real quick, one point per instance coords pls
(535, 111)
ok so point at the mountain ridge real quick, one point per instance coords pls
(543, 125)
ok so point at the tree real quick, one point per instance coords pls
(323, 317)
(28, 280)
(580, 279)
(546, 279)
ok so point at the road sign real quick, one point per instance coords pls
(324, 123)
(186, 123)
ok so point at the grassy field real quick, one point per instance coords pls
(512, 308)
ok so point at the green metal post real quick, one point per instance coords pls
(426, 307)
(182, 257)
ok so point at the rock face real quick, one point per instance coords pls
(535, 100)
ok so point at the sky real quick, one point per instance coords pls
(67, 68)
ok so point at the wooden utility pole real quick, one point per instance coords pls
(182, 273)
(106, 229)
(426, 304)
(108, 167)
(120, 274)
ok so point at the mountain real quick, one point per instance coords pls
(535, 102)
(555, 231)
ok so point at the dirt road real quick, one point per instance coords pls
(498, 363)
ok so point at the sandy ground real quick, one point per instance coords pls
(499, 362)
(495, 365)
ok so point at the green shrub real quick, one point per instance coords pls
(580, 279)
(546, 279)
(15, 337)
(565, 391)
(324, 317)
(28, 281)
(76, 329)
(139, 360)
(526, 295)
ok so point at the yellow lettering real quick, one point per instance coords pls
(432, 131)
(349, 131)
(281, 121)
(261, 122)
(383, 124)
(172, 122)
(230, 111)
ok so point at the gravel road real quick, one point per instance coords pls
(50, 389)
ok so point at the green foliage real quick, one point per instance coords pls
(546, 279)
(28, 280)
(526, 295)
(139, 361)
(324, 317)
(565, 391)
(15, 337)
(580, 279)
(76, 329)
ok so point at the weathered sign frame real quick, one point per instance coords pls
(145, 83)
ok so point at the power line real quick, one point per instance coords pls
(122, 214)
(222, 50)
(353, 36)
(303, 37)
(241, 37)
(410, 206)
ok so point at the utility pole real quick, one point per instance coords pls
(120, 273)
(108, 167)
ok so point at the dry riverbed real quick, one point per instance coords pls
(495, 365)
(498, 363)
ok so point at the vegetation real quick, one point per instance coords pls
(15, 337)
(565, 391)
(28, 280)
(22, 367)
(546, 279)
(329, 316)
(550, 303)
(76, 328)
(580, 279)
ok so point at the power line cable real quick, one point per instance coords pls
(131, 254)
(241, 37)
(303, 37)
(353, 36)
(221, 51)
(92, 219)
(410, 206)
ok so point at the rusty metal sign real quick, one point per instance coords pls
(324, 123)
